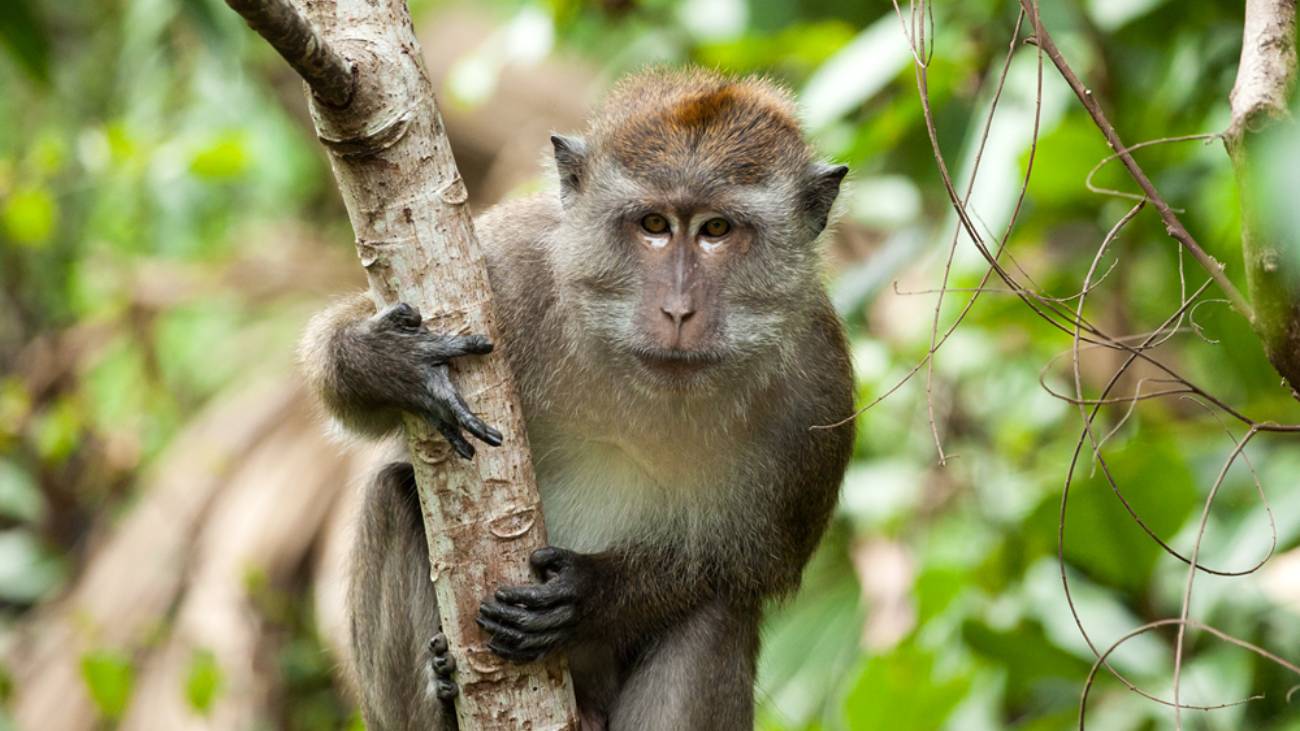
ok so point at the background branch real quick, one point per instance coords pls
(1259, 99)
(327, 73)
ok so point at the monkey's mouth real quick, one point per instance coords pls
(679, 363)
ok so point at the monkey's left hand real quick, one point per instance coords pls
(527, 622)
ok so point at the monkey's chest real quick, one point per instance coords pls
(596, 495)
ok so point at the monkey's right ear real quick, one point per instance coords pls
(823, 186)
(571, 163)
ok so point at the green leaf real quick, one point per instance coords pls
(355, 723)
(1102, 539)
(902, 691)
(29, 216)
(203, 681)
(24, 38)
(1036, 668)
(58, 430)
(109, 676)
(225, 157)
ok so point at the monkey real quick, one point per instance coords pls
(663, 311)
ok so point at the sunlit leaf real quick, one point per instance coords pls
(57, 431)
(29, 216)
(109, 676)
(225, 157)
(904, 690)
(203, 681)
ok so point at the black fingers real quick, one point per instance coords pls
(444, 668)
(441, 348)
(549, 561)
(523, 635)
(518, 647)
(446, 690)
(441, 402)
(505, 615)
(473, 424)
(444, 664)
(451, 414)
(537, 596)
(526, 622)
(457, 441)
(403, 316)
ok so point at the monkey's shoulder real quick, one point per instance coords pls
(824, 352)
(516, 229)
(514, 235)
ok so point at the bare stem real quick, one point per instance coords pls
(326, 71)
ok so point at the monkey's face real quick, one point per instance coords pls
(687, 288)
(686, 253)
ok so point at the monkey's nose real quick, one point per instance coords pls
(679, 309)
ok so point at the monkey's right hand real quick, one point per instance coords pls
(407, 367)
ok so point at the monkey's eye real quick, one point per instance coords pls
(716, 228)
(655, 224)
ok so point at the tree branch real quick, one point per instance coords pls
(1259, 100)
(327, 73)
(1266, 72)
(415, 237)
(1173, 225)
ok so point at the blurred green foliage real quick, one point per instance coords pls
(109, 676)
(140, 140)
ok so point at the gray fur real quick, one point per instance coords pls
(689, 502)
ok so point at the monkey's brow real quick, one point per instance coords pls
(744, 203)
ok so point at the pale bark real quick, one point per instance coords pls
(406, 201)
(1260, 98)
(250, 543)
(132, 580)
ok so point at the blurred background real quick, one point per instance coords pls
(172, 518)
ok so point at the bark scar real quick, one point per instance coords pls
(454, 193)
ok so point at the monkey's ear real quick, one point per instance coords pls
(571, 163)
(820, 190)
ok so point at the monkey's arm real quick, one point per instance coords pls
(369, 367)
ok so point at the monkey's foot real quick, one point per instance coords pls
(527, 622)
(444, 668)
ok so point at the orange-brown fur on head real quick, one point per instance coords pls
(661, 123)
(689, 146)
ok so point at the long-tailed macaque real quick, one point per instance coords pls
(664, 314)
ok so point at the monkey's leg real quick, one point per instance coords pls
(698, 676)
(394, 611)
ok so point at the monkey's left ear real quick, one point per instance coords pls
(820, 189)
(571, 163)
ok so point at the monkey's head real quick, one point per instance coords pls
(692, 207)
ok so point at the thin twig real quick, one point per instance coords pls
(1173, 225)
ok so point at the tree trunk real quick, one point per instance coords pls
(1259, 99)
(416, 240)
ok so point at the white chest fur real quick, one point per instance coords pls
(597, 493)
